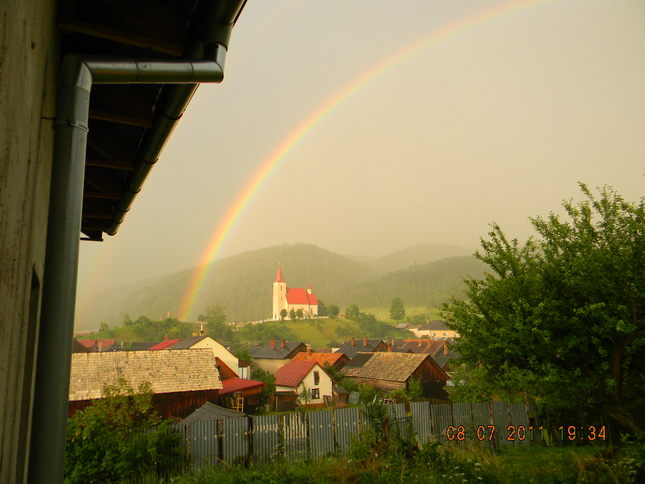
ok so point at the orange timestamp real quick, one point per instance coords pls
(490, 432)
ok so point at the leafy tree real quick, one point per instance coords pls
(264, 376)
(299, 314)
(561, 317)
(118, 438)
(304, 395)
(292, 314)
(352, 312)
(333, 311)
(322, 308)
(283, 314)
(397, 309)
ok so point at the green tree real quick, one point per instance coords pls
(217, 327)
(397, 310)
(268, 379)
(322, 308)
(352, 312)
(118, 438)
(292, 314)
(333, 311)
(299, 314)
(283, 314)
(561, 317)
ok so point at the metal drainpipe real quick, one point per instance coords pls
(47, 448)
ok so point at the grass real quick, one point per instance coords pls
(382, 313)
(436, 463)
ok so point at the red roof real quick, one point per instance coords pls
(236, 384)
(320, 358)
(278, 276)
(297, 295)
(164, 344)
(94, 343)
(291, 374)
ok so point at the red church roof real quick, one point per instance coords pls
(278, 275)
(297, 295)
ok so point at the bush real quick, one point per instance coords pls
(120, 437)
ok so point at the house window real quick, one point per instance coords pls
(315, 394)
(316, 378)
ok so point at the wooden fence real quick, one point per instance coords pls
(301, 435)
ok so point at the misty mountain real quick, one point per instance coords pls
(243, 283)
(420, 285)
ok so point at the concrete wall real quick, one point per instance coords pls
(28, 69)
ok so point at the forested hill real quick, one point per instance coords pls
(243, 284)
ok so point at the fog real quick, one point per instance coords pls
(496, 122)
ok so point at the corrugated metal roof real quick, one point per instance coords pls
(167, 371)
(210, 411)
(232, 385)
(291, 374)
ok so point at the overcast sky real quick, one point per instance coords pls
(497, 122)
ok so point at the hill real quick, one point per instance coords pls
(424, 284)
(417, 255)
(243, 284)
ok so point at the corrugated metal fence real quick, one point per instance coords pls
(300, 435)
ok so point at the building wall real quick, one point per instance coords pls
(269, 364)
(324, 385)
(220, 352)
(279, 299)
(28, 69)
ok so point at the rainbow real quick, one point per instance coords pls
(235, 210)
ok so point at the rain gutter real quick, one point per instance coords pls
(53, 364)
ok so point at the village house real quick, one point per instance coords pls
(219, 350)
(240, 392)
(275, 354)
(300, 377)
(362, 345)
(420, 345)
(337, 360)
(388, 371)
(292, 298)
(181, 381)
(435, 329)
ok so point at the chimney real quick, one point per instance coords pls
(353, 341)
(283, 343)
(165, 337)
(389, 346)
(308, 351)
(201, 329)
(445, 349)
(419, 343)
(272, 343)
(365, 341)
(100, 346)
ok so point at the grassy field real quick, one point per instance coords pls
(382, 313)
(323, 332)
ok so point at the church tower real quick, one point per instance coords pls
(279, 294)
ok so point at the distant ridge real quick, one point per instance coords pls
(242, 283)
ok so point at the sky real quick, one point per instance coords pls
(496, 122)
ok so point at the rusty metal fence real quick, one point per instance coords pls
(314, 434)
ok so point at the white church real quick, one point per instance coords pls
(292, 298)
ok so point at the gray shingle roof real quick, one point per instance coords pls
(166, 370)
(359, 347)
(291, 348)
(186, 344)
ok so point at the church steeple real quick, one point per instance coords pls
(278, 275)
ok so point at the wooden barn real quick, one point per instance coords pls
(181, 381)
(388, 371)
